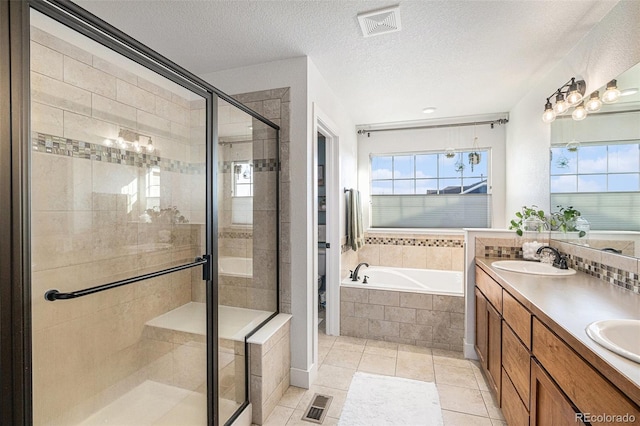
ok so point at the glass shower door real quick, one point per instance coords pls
(119, 237)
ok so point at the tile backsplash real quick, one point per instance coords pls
(621, 271)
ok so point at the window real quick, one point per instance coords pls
(153, 187)
(430, 190)
(594, 178)
(242, 197)
(242, 179)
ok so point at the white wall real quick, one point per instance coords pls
(307, 88)
(401, 141)
(612, 47)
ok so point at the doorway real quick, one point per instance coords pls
(327, 226)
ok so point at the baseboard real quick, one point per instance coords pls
(303, 378)
(469, 351)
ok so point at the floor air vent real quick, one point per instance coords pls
(317, 408)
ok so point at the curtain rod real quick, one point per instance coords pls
(437, 126)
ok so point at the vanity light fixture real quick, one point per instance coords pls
(128, 139)
(612, 94)
(570, 94)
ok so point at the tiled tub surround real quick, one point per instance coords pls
(426, 320)
(424, 251)
(621, 271)
(87, 202)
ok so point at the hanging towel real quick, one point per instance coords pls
(356, 234)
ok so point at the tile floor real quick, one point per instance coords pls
(464, 396)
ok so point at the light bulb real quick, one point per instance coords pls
(574, 97)
(549, 115)
(150, 147)
(561, 105)
(579, 113)
(612, 94)
(594, 103)
(107, 142)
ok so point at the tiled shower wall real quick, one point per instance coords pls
(274, 105)
(87, 200)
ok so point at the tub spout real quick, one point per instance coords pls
(354, 276)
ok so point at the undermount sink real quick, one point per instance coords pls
(621, 336)
(533, 268)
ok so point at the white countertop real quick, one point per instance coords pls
(572, 303)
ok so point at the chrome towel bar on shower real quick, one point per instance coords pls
(53, 294)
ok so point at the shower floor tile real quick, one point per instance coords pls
(156, 404)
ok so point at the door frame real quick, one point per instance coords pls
(323, 124)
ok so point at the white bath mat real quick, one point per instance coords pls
(385, 401)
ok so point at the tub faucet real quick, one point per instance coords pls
(612, 250)
(560, 260)
(354, 276)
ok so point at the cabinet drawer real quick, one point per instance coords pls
(514, 411)
(518, 318)
(516, 361)
(583, 385)
(489, 288)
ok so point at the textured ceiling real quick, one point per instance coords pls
(463, 57)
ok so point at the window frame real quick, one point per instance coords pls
(606, 173)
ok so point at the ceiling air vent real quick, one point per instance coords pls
(380, 21)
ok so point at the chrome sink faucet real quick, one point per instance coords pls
(354, 274)
(560, 260)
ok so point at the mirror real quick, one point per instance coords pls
(595, 168)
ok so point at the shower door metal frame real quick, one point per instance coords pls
(15, 259)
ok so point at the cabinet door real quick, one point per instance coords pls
(549, 406)
(494, 349)
(482, 328)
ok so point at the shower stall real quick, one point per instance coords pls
(150, 230)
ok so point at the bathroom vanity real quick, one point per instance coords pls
(541, 366)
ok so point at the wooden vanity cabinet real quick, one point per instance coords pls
(488, 340)
(536, 376)
(549, 405)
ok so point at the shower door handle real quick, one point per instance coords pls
(52, 295)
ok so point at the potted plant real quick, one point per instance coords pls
(529, 219)
(568, 219)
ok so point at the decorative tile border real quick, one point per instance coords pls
(56, 145)
(260, 165)
(421, 242)
(503, 251)
(615, 276)
(235, 234)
